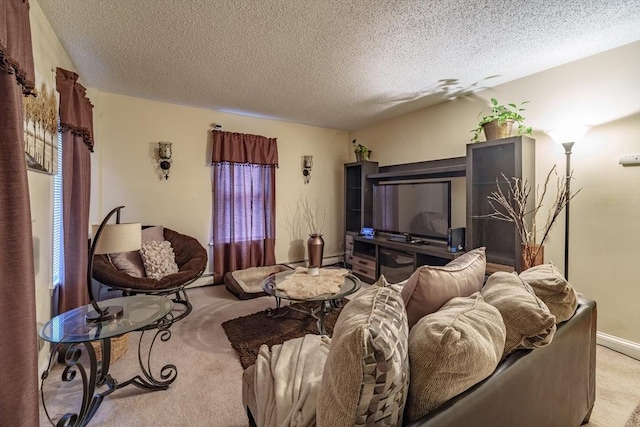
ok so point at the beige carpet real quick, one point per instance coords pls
(207, 391)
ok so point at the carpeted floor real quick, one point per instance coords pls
(207, 391)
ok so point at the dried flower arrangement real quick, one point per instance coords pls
(512, 207)
(313, 215)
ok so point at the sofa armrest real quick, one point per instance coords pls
(548, 386)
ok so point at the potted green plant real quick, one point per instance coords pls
(362, 152)
(499, 123)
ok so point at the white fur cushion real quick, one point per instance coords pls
(158, 259)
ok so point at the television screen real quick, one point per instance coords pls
(422, 209)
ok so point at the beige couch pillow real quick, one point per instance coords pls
(451, 350)
(366, 376)
(552, 288)
(429, 287)
(527, 318)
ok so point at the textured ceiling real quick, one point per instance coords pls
(341, 64)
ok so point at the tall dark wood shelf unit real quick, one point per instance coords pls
(486, 163)
(358, 195)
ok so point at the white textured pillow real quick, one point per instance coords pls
(158, 259)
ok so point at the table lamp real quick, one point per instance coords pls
(109, 239)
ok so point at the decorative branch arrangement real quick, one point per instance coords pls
(512, 207)
(313, 215)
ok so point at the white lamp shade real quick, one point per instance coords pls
(116, 238)
(568, 133)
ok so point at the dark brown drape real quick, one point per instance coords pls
(76, 121)
(18, 349)
(244, 201)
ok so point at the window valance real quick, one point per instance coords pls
(76, 110)
(232, 147)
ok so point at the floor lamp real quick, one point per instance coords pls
(567, 136)
(109, 239)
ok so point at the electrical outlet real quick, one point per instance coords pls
(630, 160)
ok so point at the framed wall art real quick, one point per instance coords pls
(41, 129)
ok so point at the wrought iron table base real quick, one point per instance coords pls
(319, 313)
(99, 374)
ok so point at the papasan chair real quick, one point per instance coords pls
(191, 259)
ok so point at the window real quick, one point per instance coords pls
(58, 235)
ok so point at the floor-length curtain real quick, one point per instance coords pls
(243, 201)
(18, 349)
(76, 122)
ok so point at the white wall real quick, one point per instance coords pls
(602, 90)
(126, 146)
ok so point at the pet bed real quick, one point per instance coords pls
(247, 283)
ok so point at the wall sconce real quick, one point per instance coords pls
(307, 164)
(164, 158)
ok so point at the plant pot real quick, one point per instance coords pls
(495, 130)
(360, 156)
(315, 248)
(531, 256)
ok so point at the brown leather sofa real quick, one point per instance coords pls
(548, 386)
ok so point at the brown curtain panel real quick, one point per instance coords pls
(244, 201)
(18, 350)
(76, 121)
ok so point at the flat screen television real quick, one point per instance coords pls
(422, 209)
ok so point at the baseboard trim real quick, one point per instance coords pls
(630, 348)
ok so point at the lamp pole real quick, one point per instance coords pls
(567, 188)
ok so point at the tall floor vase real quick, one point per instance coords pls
(315, 248)
(532, 255)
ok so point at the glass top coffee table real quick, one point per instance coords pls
(326, 302)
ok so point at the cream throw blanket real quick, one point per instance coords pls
(287, 381)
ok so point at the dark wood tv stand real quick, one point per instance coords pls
(372, 256)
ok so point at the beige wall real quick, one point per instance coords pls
(130, 129)
(603, 90)
(47, 54)
(605, 224)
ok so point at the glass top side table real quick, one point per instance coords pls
(139, 311)
(72, 335)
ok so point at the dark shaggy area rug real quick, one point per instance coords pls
(246, 334)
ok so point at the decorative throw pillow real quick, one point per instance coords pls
(429, 287)
(366, 376)
(128, 262)
(451, 350)
(131, 262)
(552, 288)
(158, 259)
(153, 234)
(382, 281)
(527, 318)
